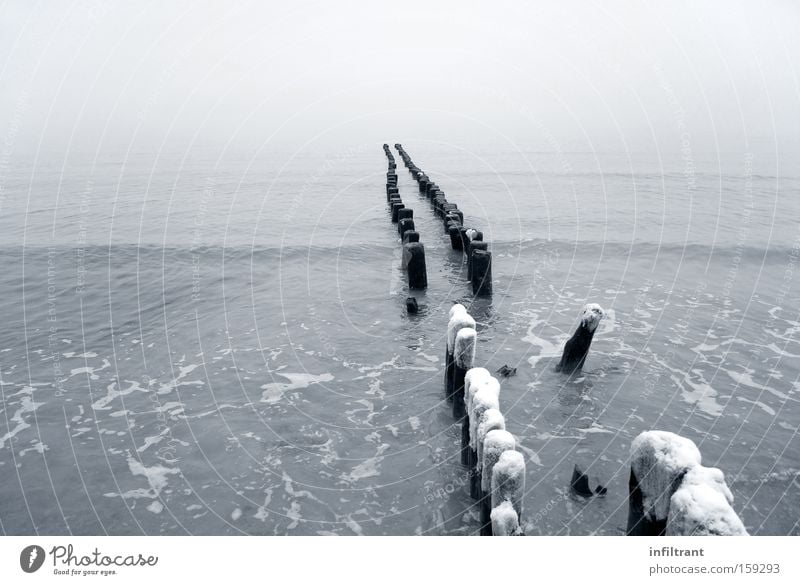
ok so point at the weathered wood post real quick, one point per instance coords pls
(405, 225)
(414, 260)
(577, 347)
(481, 273)
(410, 236)
(455, 236)
(396, 207)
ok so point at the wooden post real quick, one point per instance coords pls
(505, 521)
(464, 359)
(495, 444)
(577, 347)
(508, 480)
(671, 493)
(459, 318)
(414, 259)
(701, 506)
(474, 245)
(471, 381)
(659, 461)
(481, 273)
(487, 397)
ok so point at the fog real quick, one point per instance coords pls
(101, 77)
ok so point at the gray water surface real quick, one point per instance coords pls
(218, 344)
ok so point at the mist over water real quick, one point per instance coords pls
(219, 345)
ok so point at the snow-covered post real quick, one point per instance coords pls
(659, 460)
(490, 420)
(672, 493)
(495, 444)
(505, 521)
(508, 481)
(481, 273)
(464, 359)
(459, 318)
(487, 397)
(701, 506)
(471, 381)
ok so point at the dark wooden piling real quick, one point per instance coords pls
(414, 256)
(410, 236)
(396, 207)
(481, 273)
(405, 225)
(474, 245)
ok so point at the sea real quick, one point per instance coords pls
(216, 343)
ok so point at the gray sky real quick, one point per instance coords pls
(112, 76)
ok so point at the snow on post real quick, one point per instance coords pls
(459, 319)
(505, 521)
(491, 420)
(508, 480)
(659, 460)
(495, 444)
(464, 359)
(487, 396)
(701, 506)
(471, 380)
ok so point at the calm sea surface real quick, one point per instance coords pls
(218, 344)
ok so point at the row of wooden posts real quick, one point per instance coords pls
(468, 240)
(496, 469)
(413, 250)
(670, 492)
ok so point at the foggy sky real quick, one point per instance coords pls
(639, 76)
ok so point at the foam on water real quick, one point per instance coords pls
(274, 391)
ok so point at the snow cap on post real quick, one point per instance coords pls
(659, 460)
(496, 443)
(701, 506)
(458, 321)
(491, 420)
(484, 399)
(508, 480)
(464, 354)
(505, 521)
